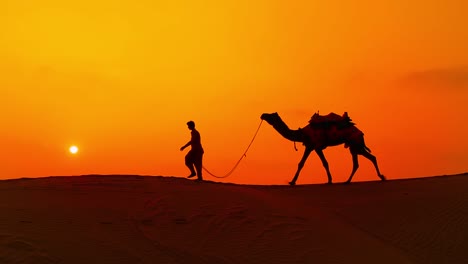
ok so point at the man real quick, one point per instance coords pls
(195, 155)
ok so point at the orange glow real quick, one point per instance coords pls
(123, 78)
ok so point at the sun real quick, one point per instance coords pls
(73, 149)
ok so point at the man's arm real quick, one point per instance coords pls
(186, 145)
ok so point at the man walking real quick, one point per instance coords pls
(195, 156)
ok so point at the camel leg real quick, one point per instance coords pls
(374, 161)
(307, 152)
(325, 164)
(354, 154)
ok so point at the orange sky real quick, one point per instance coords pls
(121, 78)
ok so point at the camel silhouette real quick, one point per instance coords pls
(322, 132)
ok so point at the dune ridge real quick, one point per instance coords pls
(156, 219)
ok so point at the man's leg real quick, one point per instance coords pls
(199, 165)
(189, 162)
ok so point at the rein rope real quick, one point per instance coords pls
(243, 155)
(295, 143)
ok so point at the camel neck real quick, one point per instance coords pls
(286, 132)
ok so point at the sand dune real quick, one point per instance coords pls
(136, 219)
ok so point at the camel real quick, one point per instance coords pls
(323, 132)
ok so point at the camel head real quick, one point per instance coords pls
(270, 118)
(275, 120)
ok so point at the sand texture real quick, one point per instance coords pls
(136, 219)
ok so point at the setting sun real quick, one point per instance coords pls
(134, 73)
(73, 149)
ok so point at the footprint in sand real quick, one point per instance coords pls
(19, 250)
(19, 245)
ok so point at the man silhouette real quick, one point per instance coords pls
(195, 156)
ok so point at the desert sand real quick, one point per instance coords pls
(154, 219)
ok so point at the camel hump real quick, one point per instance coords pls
(330, 119)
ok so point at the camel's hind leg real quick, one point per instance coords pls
(354, 154)
(362, 151)
(372, 158)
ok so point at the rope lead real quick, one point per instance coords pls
(243, 155)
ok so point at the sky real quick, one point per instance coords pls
(120, 79)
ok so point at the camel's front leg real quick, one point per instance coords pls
(301, 164)
(325, 164)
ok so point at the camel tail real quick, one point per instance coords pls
(368, 149)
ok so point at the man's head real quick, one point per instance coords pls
(191, 125)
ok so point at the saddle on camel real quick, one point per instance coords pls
(328, 129)
(332, 119)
